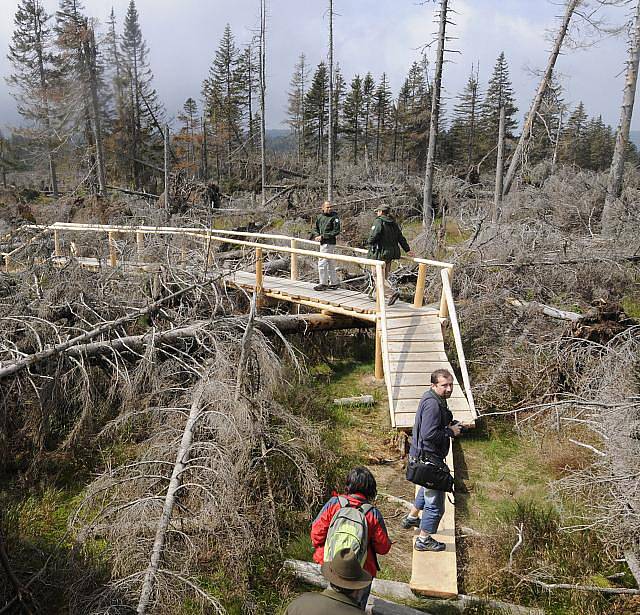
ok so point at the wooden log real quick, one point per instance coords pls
(113, 261)
(541, 308)
(309, 573)
(358, 400)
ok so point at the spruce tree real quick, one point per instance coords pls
(499, 92)
(34, 81)
(353, 117)
(190, 121)
(317, 111)
(141, 128)
(464, 126)
(382, 110)
(248, 84)
(223, 95)
(573, 145)
(368, 91)
(546, 125)
(296, 118)
(418, 113)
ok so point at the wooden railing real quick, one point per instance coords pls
(258, 242)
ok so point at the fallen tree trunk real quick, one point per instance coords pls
(30, 360)
(547, 310)
(310, 573)
(297, 323)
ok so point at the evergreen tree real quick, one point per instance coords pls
(141, 113)
(79, 107)
(573, 145)
(417, 113)
(464, 126)
(223, 95)
(248, 82)
(600, 140)
(368, 91)
(33, 80)
(317, 111)
(339, 88)
(353, 117)
(499, 92)
(190, 127)
(382, 110)
(296, 117)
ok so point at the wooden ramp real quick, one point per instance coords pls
(409, 338)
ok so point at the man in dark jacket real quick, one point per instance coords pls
(432, 432)
(346, 579)
(327, 230)
(385, 240)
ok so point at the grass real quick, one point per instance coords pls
(631, 306)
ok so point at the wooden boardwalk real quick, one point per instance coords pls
(409, 337)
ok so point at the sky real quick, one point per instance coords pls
(369, 35)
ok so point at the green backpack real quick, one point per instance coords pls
(348, 529)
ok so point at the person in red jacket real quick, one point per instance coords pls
(360, 489)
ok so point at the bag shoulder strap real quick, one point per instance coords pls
(343, 501)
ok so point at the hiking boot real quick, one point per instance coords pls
(394, 297)
(333, 286)
(428, 544)
(321, 287)
(407, 522)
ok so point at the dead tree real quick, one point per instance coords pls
(570, 7)
(331, 109)
(427, 201)
(497, 197)
(263, 86)
(614, 185)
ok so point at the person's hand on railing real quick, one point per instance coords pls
(318, 238)
(411, 253)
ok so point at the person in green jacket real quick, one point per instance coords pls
(385, 240)
(347, 580)
(327, 230)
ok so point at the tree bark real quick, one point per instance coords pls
(182, 458)
(331, 109)
(497, 197)
(614, 185)
(571, 6)
(166, 168)
(427, 201)
(263, 160)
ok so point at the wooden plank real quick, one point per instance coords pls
(456, 404)
(429, 321)
(421, 334)
(418, 363)
(414, 347)
(416, 392)
(405, 420)
(400, 379)
(436, 574)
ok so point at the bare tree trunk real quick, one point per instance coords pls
(427, 202)
(571, 6)
(263, 27)
(497, 197)
(331, 109)
(205, 157)
(91, 51)
(182, 458)
(166, 167)
(614, 186)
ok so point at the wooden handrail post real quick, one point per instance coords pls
(444, 308)
(418, 300)
(139, 243)
(294, 260)
(6, 263)
(113, 260)
(56, 243)
(259, 276)
(379, 367)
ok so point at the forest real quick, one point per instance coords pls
(169, 432)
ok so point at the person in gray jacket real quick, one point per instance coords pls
(432, 432)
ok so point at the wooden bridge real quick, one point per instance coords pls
(409, 336)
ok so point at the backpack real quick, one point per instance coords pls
(348, 529)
